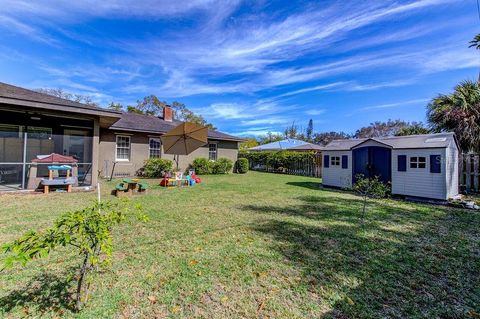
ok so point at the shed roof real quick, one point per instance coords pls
(151, 124)
(307, 147)
(279, 145)
(437, 140)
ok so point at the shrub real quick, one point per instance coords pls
(221, 166)
(154, 167)
(241, 166)
(87, 231)
(202, 166)
(369, 188)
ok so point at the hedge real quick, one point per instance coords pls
(278, 159)
(203, 166)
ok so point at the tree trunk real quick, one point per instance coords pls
(83, 272)
(364, 208)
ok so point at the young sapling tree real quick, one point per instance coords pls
(87, 231)
(369, 188)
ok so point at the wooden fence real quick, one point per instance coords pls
(469, 172)
(303, 167)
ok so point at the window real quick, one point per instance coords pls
(335, 161)
(41, 133)
(212, 151)
(418, 162)
(402, 163)
(435, 163)
(344, 161)
(155, 148)
(123, 148)
(326, 161)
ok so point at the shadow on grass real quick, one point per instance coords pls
(397, 264)
(310, 185)
(42, 294)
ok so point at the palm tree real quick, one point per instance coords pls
(458, 112)
(475, 43)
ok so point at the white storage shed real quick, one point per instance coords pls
(417, 165)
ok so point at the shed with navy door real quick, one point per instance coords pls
(423, 166)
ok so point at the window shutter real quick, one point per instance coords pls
(435, 164)
(402, 163)
(344, 161)
(326, 161)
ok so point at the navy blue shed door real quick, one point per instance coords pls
(373, 161)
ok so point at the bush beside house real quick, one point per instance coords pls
(203, 166)
(154, 167)
(241, 166)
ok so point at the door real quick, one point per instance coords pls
(78, 143)
(372, 161)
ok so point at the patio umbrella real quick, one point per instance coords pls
(184, 139)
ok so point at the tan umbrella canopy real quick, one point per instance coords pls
(184, 139)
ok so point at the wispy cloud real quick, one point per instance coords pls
(390, 105)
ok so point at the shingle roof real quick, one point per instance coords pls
(152, 124)
(307, 147)
(438, 140)
(12, 92)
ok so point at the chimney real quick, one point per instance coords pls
(167, 113)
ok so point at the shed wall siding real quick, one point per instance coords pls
(336, 175)
(420, 182)
(452, 170)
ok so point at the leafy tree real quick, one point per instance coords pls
(134, 109)
(309, 131)
(115, 106)
(248, 143)
(182, 113)
(291, 131)
(60, 93)
(269, 138)
(88, 232)
(414, 128)
(381, 129)
(324, 138)
(369, 188)
(458, 112)
(150, 105)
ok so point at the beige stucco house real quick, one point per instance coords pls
(33, 124)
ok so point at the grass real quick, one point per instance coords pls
(256, 246)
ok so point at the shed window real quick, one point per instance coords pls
(435, 163)
(402, 163)
(155, 148)
(212, 151)
(335, 161)
(344, 161)
(418, 162)
(326, 161)
(123, 148)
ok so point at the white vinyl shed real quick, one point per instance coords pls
(418, 165)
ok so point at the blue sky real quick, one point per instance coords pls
(248, 66)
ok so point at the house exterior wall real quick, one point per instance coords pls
(419, 182)
(139, 152)
(337, 176)
(452, 170)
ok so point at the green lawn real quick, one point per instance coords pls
(257, 246)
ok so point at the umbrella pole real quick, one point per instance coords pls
(176, 160)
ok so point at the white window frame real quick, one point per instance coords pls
(150, 148)
(335, 160)
(129, 148)
(215, 152)
(417, 161)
